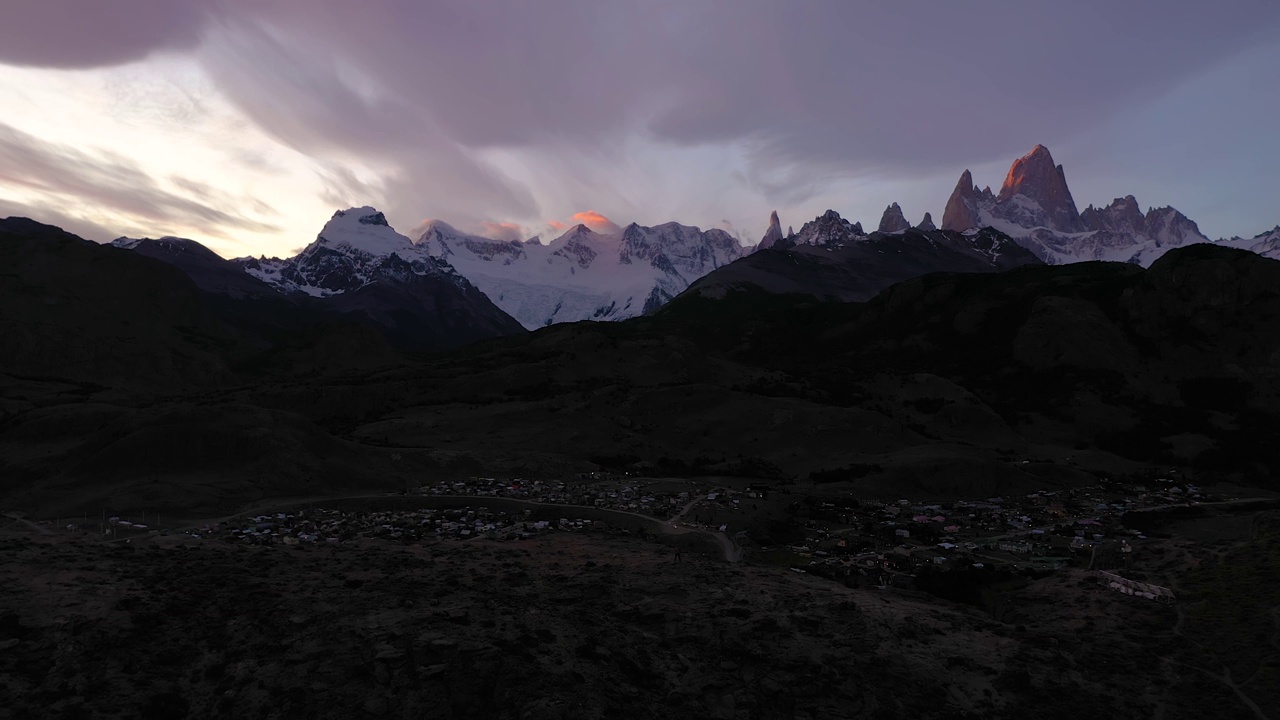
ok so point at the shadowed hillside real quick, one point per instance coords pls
(944, 386)
(75, 309)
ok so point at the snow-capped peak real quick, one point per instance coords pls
(129, 243)
(584, 274)
(363, 229)
(356, 247)
(829, 230)
(437, 227)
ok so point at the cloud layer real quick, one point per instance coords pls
(86, 33)
(515, 112)
(112, 182)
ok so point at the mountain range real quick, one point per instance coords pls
(836, 367)
(121, 378)
(447, 288)
(358, 268)
(1032, 220)
(938, 355)
(1036, 208)
(583, 274)
(832, 259)
(1266, 243)
(481, 287)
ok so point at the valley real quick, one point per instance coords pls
(576, 620)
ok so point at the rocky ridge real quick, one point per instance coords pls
(358, 267)
(584, 274)
(833, 259)
(1036, 208)
(773, 235)
(893, 220)
(1265, 243)
(355, 248)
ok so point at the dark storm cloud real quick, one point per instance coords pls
(110, 181)
(88, 33)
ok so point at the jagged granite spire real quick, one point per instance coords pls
(893, 220)
(1122, 215)
(961, 212)
(828, 230)
(1034, 176)
(773, 234)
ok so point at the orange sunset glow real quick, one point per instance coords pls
(594, 220)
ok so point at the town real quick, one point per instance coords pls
(849, 540)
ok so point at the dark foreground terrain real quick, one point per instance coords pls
(571, 625)
(126, 390)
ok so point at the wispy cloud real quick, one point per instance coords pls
(798, 96)
(54, 215)
(507, 231)
(114, 182)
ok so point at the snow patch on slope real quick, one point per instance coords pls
(1165, 230)
(356, 247)
(583, 275)
(1266, 244)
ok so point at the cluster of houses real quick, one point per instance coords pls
(1040, 531)
(329, 526)
(624, 496)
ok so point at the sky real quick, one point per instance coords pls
(245, 124)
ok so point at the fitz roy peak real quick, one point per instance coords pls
(1035, 208)
(1034, 177)
(583, 274)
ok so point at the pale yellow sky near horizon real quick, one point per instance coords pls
(167, 120)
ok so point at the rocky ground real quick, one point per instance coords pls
(562, 626)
